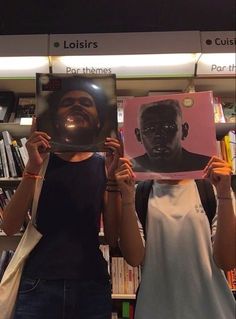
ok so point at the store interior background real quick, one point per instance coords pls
(116, 16)
(98, 16)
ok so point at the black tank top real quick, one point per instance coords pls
(68, 216)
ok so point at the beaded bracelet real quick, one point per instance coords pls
(30, 175)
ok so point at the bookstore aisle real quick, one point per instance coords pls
(17, 106)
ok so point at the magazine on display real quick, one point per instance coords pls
(78, 112)
(169, 136)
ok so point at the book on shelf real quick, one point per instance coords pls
(7, 105)
(3, 262)
(232, 147)
(229, 109)
(121, 275)
(120, 106)
(227, 149)
(4, 159)
(13, 154)
(114, 275)
(5, 258)
(3, 198)
(25, 107)
(1, 167)
(125, 309)
(23, 150)
(17, 158)
(231, 278)
(10, 160)
(125, 278)
(219, 116)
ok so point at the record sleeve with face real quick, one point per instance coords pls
(169, 136)
(78, 112)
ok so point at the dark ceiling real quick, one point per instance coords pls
(96, 16)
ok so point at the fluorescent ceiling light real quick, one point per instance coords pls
(218, 58)
(135, 65)
(133, 60)
(22, 63)
(23, 67)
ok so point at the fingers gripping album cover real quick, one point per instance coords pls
(78, 112)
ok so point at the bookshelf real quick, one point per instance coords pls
(221, 85)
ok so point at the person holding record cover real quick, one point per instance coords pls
(182, 252)
(77, 115)
(161, 132)
(66, 276)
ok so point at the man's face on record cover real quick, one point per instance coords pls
(161, 133)
(77, 117)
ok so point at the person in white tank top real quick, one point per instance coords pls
(182, 258)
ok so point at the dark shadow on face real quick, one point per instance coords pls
(161, 130)
(77, 118)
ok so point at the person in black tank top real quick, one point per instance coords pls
(66, 276)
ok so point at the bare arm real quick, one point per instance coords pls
(224, 246)
(131, 243)
(16, 211)
(112, 196)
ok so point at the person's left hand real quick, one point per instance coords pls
(219, 172)
(114, 150)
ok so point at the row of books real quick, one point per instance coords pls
(13, 155)
(125, 278)
(231, 278)
(226, 149)
(123, 309)
(224, 112)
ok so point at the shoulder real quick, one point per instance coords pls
(140, 163)
(195, 160)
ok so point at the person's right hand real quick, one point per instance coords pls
(125, 179)
(37, 147)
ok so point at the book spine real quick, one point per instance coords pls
(17, 158)
(4, 159)
(114, 277)
(1, 167)
(121, 289)
(4, 260)
(11, 163)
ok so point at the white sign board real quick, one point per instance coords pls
(23, 45)
(218, 42)
(124, 43)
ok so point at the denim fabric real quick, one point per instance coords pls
(63, 299)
